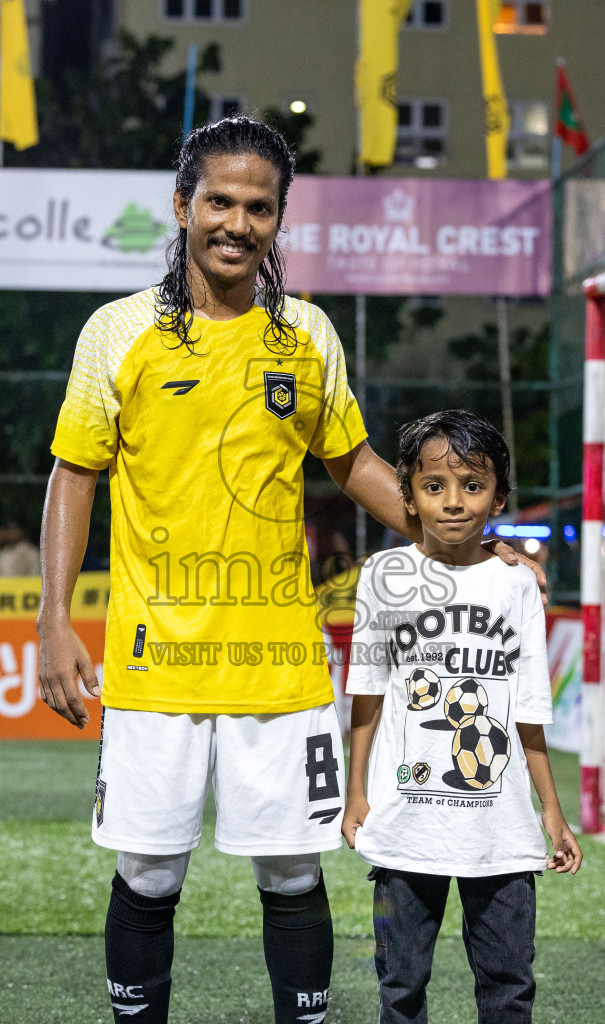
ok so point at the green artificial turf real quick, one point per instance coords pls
(54, 888)
(49, 779)
(220, 897)
(45, 809)
(62, 979)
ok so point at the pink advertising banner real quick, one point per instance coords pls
(410, 236)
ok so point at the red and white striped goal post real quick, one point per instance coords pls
(593, 515)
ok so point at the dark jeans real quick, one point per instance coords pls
(498, 925)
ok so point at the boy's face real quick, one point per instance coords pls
(453, 499)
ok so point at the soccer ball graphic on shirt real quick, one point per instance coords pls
(464, 700)
(481, 751)
(424, 689)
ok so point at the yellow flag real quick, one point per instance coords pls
(379, 22)
(497, 119)
(18, 121)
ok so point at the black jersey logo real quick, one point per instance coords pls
(139, 641)
(326, 816)
(280, 394)
(184, 386)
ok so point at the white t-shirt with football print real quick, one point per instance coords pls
(459, 653)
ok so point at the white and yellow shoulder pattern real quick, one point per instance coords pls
(87, 427)
(109, 334)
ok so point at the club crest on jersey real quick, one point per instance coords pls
(280, 394)
(421, 772)
(100, 801)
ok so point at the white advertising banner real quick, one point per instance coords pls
(84, 230)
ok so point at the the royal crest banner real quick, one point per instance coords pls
(411, 236)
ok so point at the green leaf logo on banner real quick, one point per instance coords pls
(135, 230)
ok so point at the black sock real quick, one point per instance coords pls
(298, 941)
(139, 943)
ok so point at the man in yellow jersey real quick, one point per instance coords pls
(202, 396)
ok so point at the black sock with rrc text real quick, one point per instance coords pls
(299, 946)
(139, 944)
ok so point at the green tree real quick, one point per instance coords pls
(478, 353)
(39, 331)
(123, 113)
(294, 128)
(126, 113)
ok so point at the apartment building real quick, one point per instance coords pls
(288, 52)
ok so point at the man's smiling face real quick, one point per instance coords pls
(232, 220)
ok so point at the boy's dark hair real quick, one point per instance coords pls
(232, 135)
(470, 437)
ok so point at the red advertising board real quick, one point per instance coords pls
(23, 715)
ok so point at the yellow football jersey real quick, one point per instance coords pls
(211, 607)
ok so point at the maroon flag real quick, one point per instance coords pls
(568, 124)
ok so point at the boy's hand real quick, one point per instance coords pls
(356, 811)
(512, 557)
(567, 855)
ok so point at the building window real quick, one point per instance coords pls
(520, 17)
(219, 12)
(529, 139)
(225, 106)
(429, 14)
(421, 132)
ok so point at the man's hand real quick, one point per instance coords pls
(356, 811)
(567, 855)
(512, 557)
(63, 657)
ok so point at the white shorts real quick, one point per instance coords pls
(278, 781)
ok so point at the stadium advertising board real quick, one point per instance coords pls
(108, 231)
(24, 716)
(410, 236)
(564, 643)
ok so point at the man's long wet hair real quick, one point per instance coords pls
(231, 136)
(471, 438)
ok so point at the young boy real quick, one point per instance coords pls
(451, 686)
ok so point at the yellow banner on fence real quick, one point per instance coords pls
(497, 119)
(379, 22)
(18, 119)
(20, 597)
